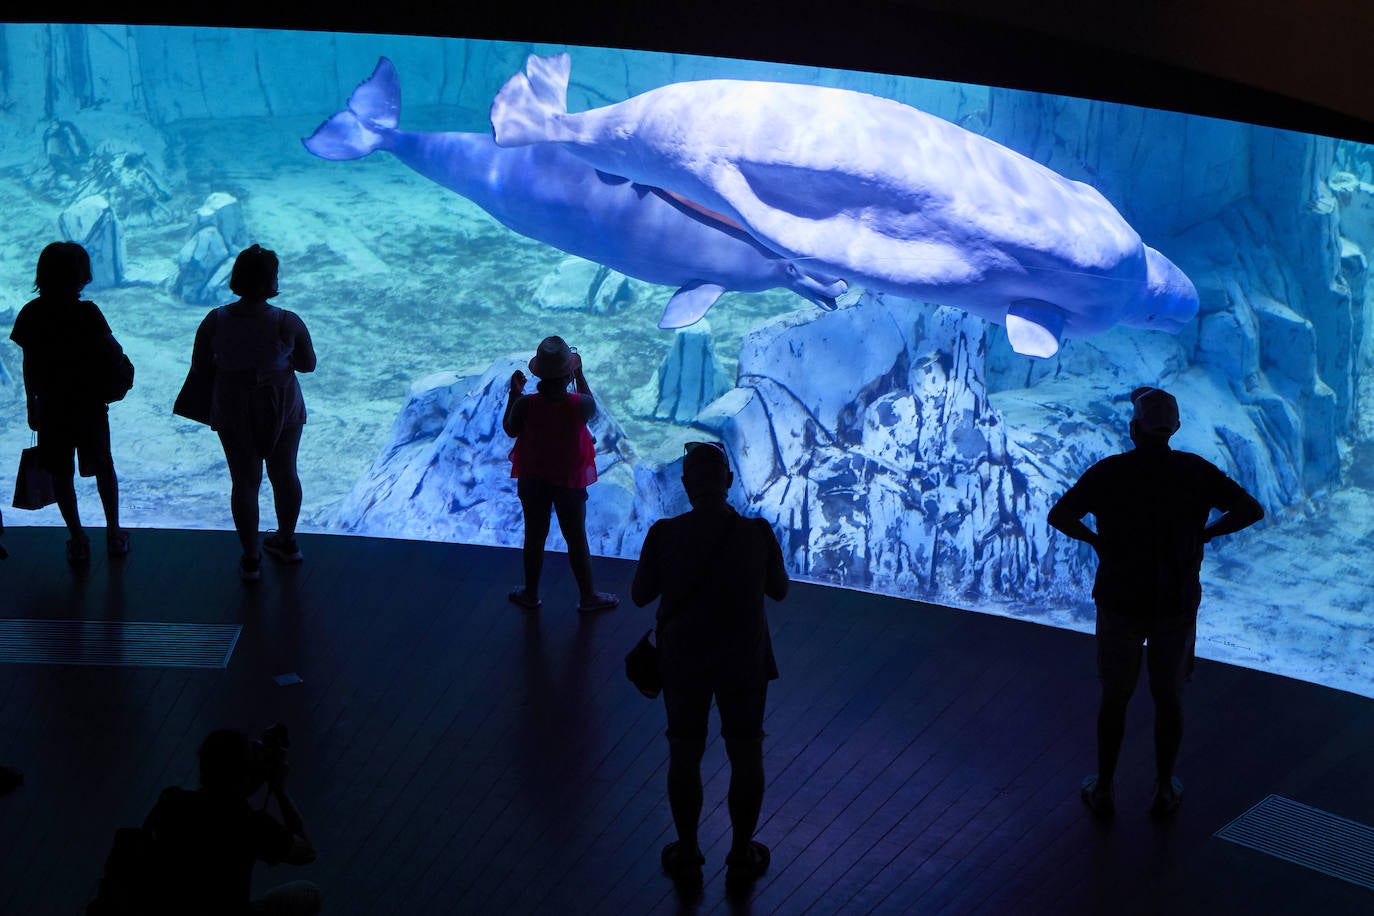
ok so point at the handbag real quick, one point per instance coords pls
(193, 401)
(33, 484)
(641, 664)
(197, 392)
(641, 667)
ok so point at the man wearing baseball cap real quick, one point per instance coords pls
(1151, 507)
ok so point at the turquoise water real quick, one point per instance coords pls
(895, 445)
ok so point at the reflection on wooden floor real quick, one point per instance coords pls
(452, 754)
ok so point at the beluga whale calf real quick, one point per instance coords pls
(547, 193)
(881, 194)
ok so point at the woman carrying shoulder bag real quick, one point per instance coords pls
(253, 350)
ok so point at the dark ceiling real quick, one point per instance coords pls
(1294, 65)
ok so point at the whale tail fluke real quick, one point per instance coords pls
(529, 108)
(374, 109)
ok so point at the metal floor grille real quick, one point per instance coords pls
(117, 642)
(1307, 836)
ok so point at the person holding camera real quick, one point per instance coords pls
(210, 838)
(554, 461)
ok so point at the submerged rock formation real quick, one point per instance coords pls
(91, 223)
(445, 474)
(689, 378)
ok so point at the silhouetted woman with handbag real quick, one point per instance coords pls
(249, 353)
(73, 368)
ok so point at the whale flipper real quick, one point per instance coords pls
(373, 109)
(1034, 327)
(528, 107)
(690, 304)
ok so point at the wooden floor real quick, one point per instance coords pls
(454, 755)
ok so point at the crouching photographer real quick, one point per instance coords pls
(196, 851)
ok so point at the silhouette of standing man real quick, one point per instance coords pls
(712, 569)
(1151, 507)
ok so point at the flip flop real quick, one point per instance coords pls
(519, 598)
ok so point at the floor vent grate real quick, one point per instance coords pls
(1307, 836)
(117, 642)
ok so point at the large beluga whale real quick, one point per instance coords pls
(548, 194)
(873, 191)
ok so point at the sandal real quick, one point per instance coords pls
(521, 598)
(598, 601)
(1100, 802)
(117, 543)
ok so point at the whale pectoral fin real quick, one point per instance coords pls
(608, 178)
(690, 304)
(1034, 327)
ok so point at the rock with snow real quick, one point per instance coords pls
(445, 473)
(91, 223)
(689, 378)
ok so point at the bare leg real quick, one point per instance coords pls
(286, 482)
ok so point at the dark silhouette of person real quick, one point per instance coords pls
(254, 351)
(712, 569)
(68, 348)
(10, 778)
(554, 461)
(211, 837)
(1151, 506)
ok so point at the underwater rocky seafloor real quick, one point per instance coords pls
(895, 446)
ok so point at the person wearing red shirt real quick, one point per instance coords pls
(554, 461)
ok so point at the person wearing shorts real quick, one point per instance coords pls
(1151, 507)
(712, 569)
(67, 348)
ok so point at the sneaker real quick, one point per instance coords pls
(598, 601)
(250, 568)
(79, 552)
(1097, 797)
(521, 597)
(743, 868)
(282, 549)
(117, 543)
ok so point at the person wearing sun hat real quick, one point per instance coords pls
(1151, 507)
(554, 461)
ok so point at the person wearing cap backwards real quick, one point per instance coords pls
(1151, 507)
(554, 461)
(712, 569)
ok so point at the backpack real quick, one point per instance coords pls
(118, 373)
(131, 882)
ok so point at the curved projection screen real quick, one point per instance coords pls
(886, 263)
